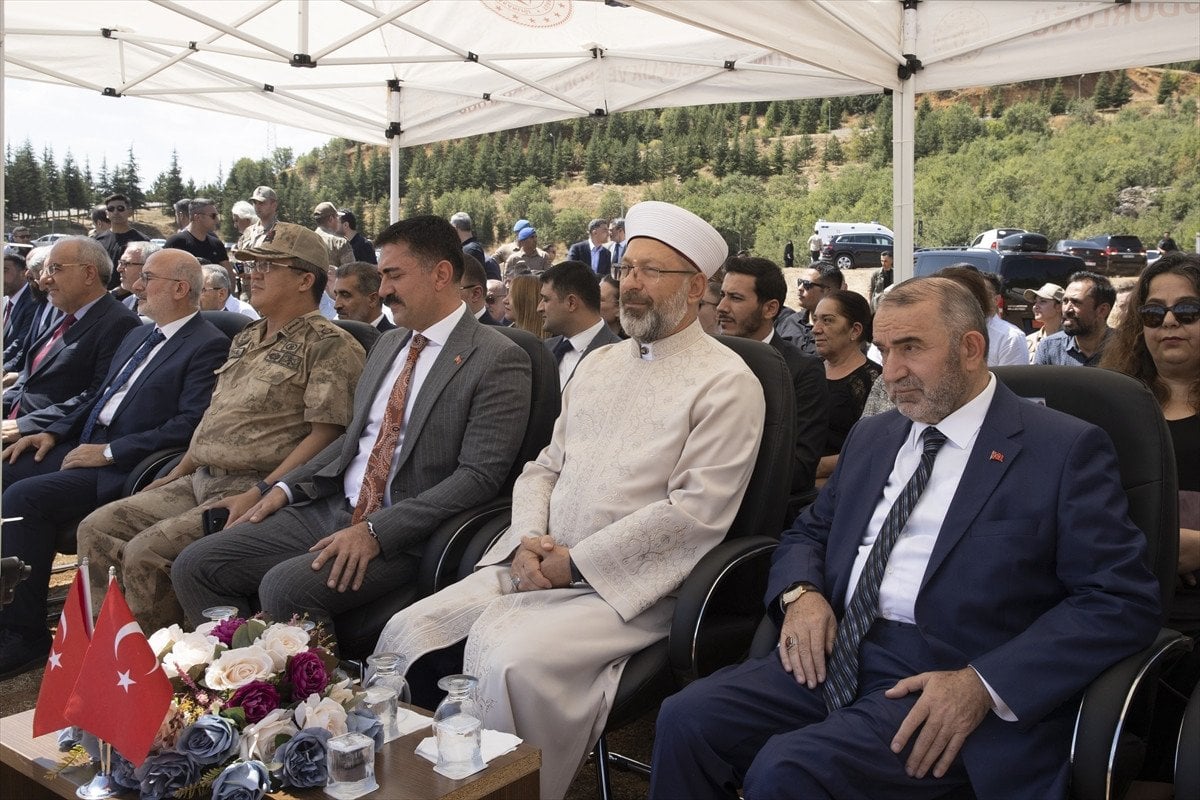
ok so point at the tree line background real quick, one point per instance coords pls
(1040, 155)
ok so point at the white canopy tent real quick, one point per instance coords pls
(408, 72)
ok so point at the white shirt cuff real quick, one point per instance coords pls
(999, 707)
(287, 490)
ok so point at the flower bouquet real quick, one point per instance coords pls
(255, 703)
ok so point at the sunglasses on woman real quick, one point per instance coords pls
(1186, 312)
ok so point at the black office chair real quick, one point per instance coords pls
(364, 333)
(720, 602)
(1187, 765)
(358, 629)
(229, 323)
(1112, 723)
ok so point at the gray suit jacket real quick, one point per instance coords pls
(460, 442)
(605, 336)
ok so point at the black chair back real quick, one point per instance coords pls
(229, 323)
(1126, 410)
(546, 400)
(364, 333)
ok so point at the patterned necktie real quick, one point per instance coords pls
(561, 349)
(119, 382)
(379, 463)
(841, 683)
(41, 354)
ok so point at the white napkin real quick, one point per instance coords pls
(410, 721)
(492, 744)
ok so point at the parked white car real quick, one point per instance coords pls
(828, 230)
(988, 239)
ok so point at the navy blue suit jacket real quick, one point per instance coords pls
(582, 251)
(71, 374)
(603, 336)
(166, 401)
(1037, 579)
(20, 317)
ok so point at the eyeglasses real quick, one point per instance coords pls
(116, 208)
(213, 214)
(54, 269)
(803, 284)
(263, 267)
(466, 286)
(647, 274)
(1186, 312)
(125, 263)
(146, 277)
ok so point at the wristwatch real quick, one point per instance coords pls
(793, 593)
(263, 487)
(108, 454)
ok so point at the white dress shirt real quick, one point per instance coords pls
(1006, 343)
(239, 306)
(437, 334)
(110, 408)
(579, 343)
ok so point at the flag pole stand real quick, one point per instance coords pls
(101, 785)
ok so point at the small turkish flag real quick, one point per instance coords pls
(66, 656)
(997, 456)
(122, 694)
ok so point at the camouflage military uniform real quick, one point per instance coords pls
(267, 395)
(340, 251)
(252, 236)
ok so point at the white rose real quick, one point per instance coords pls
(163, 638)
(258, 740)
(341, 692)
(283, 641)
(318, 712)
(189, 650)
(233, 669)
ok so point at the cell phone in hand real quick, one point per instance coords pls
(215, 519)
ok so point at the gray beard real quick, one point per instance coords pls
(659, 321)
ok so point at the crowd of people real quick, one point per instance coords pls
(320, 468)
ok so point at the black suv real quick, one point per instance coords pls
(848, 250)
(1018, 271)
(1126, 254)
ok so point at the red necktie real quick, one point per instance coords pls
(67, 322)
(379, 463)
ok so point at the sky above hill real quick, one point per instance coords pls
(94, 127)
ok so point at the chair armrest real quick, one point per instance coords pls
(445, 547)
(718, 607)
(484, 538)
(1105, 755)
(149, 468)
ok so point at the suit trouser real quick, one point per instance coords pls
(271, 560)
(47, 499)
(753, 725)
(142, 535)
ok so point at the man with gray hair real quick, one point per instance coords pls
(129, 267)
(155, 392)
(591, 251)
(64, 369)
(356, 295)
(461, 221)
(43, 318)
(217, 294)
(967, 571)
(612, 515)
(243, 216)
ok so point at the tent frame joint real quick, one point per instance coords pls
(393, 130)
(393, 84)
(472, 57)
(303, 60)
(729, 65)
(268, 87)
(107, 33)
(911, 66)
(109, 91)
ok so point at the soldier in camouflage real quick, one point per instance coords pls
(285, 393)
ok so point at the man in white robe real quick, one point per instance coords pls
(613, 514)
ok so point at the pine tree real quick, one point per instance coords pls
(23, 182)
(1102, 95)
(1058, 99)
(78, 194)
(794, 161)
(1166, 87)
(833, 152)
(998, 105)
(778, 159)
(133, 187)
(1122, 91)
(56, 197)
(807, 149)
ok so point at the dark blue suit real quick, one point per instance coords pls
(18, 319)
(71, 374)
(582, 251)
(1037, 579)
(161, 409)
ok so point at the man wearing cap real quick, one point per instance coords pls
(504, 251)
(283, 395)
(433, 434)
(361, 245)
(591, 250)
(528, 252)
(266, 206)
(612, 515)
(325, 215)
(1047, 309)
